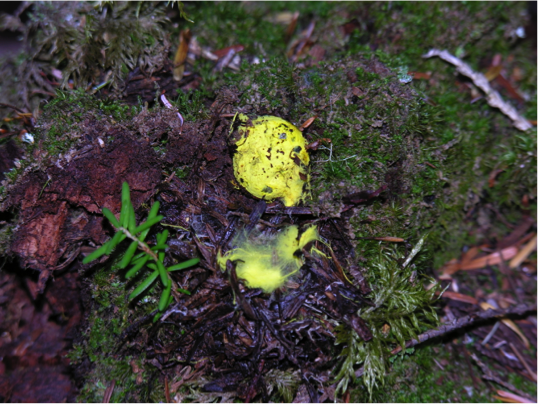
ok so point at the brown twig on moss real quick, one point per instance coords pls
(143, 246)
(466, 321)
(3, 104)
(493, 97)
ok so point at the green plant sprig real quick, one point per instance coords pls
(402, 309)
(151, 257)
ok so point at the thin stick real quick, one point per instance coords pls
(493, 97)
(465, 322)
(524, 362)
(460, 323)
(143, 246)
(3, 104)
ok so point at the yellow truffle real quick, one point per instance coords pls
(267, 264)
(271, 159)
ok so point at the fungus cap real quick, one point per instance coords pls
(271, 160)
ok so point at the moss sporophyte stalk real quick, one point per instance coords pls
(271, 161)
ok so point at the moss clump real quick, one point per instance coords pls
(475, 140)
(402, 309)
(90, 45)
(415, 378)
(5, 239)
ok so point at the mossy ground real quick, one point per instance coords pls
(450, 146)
(464, 141)
(98, 344)
(430, 374)
(62, 126)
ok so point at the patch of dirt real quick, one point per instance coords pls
(35, 336)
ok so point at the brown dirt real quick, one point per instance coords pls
(35, 337)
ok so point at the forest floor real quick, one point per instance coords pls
(420, 283)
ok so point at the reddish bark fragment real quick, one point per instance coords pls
(57, 207)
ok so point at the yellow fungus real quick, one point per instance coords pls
(267, 263)
(271, 160)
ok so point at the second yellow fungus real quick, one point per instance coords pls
(267, 263)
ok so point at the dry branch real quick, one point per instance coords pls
(465, 322)
(493, 97)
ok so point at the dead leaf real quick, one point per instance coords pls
(307, 123)
(493, 175)
(181, 54)
(523, 253)
(224, 52)
(291, 26)
(501, 80)
(508, 397)
(459, 297)
(490, 259)
(420, 75)
(493, 72)
(450, 268)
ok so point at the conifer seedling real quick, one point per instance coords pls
(150, 257)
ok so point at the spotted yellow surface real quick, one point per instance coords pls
(271, 160)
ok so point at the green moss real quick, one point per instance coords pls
(182, 172)
(424, 25)
(191, 105)
(110, 316)
(5, 238)
(413, 376)
(13, 173)
(76, 355)
(126, 389)
(237, 20)
(402, 309)
(520, 382)
(475, 139)
(416, 378)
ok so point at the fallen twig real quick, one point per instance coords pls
(108, 392)
(493, 97)
(523, 254)
(491, 377)
(523, 361)
(465, 322)
(460, 323)
(2, 104)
